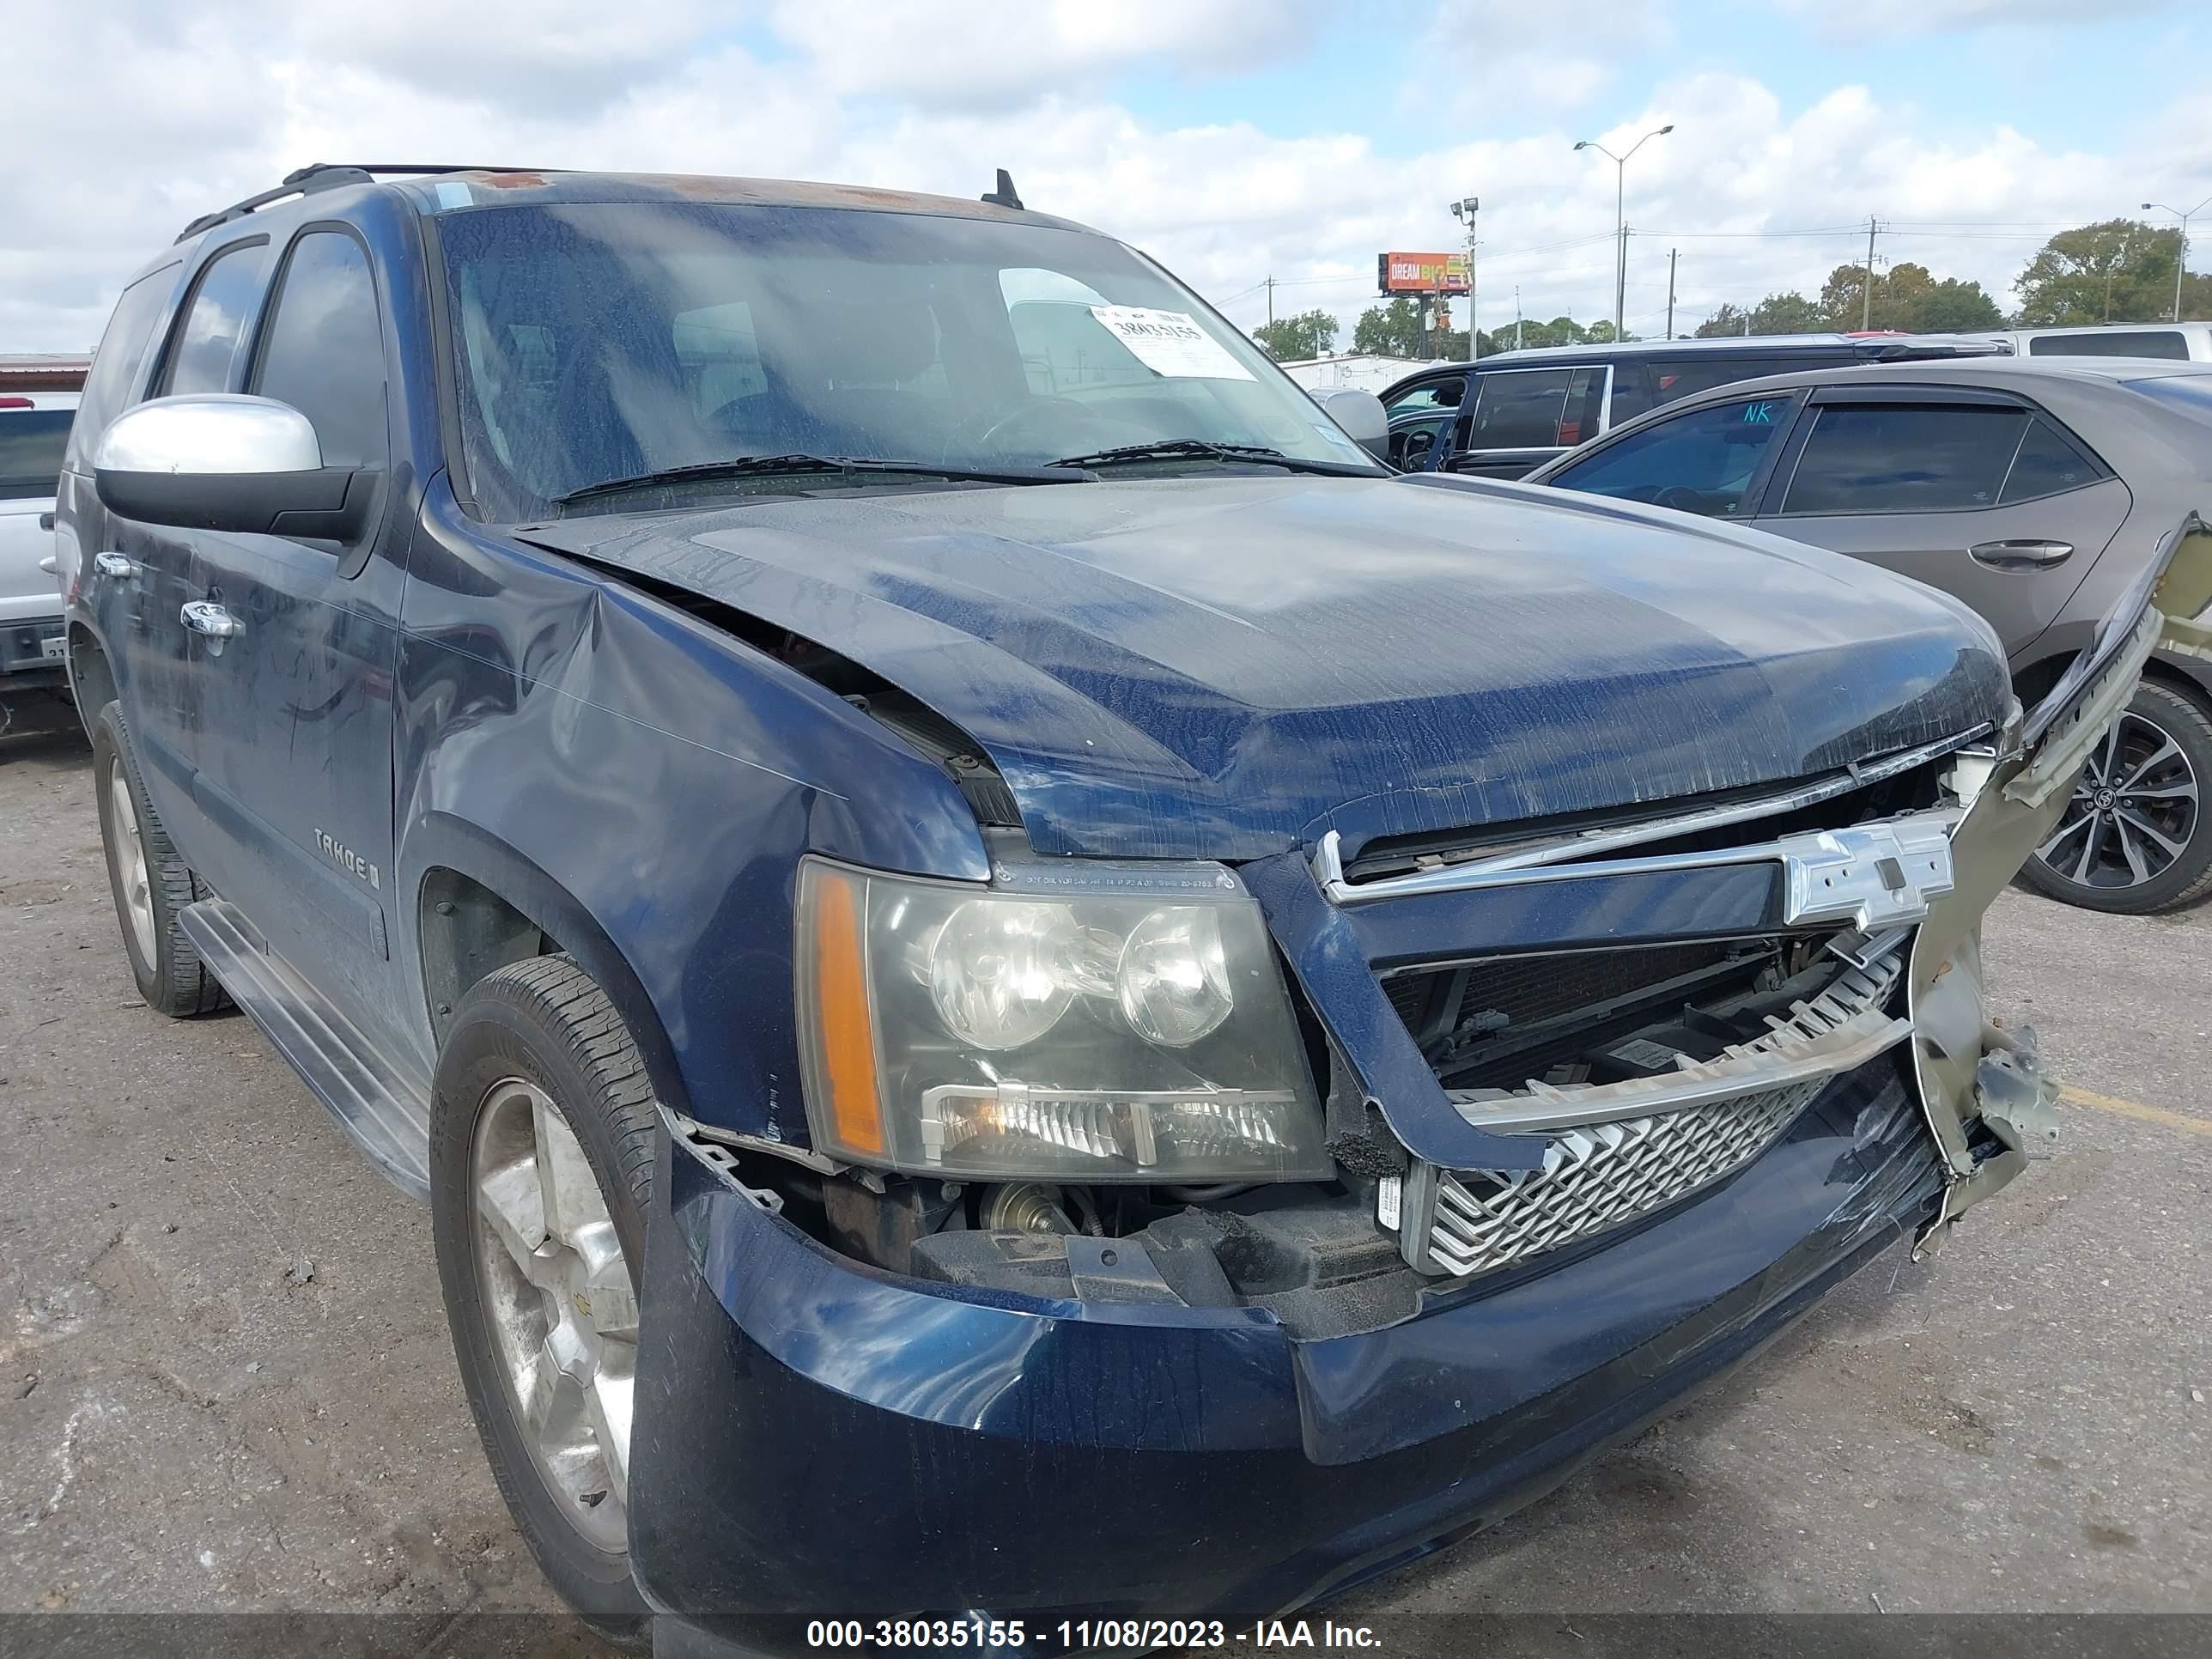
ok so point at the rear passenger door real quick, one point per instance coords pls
(294, 751)
(1979, 494)
(1517, 419)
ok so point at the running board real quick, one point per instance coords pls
(382, 1104)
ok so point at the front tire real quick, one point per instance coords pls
(150, 881)
(2136, 837)
(541, 1171)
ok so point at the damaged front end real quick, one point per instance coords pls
(1356, 1195)
(1642, 1074)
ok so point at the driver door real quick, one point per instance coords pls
(294, 761)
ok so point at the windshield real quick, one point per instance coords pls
(606, 341)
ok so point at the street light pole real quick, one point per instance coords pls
(2181, 254)
(1620, 218)
(1465, 208)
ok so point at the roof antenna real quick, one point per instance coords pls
(1004, 195)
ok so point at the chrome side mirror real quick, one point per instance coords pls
(1361, 416)
(219, 461)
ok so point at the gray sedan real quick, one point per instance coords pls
(2033, 491)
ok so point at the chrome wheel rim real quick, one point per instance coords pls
(2132, 814)
(560, 1303)
(131, 862)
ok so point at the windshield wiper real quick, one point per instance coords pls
(1171, 449)
(769, 466)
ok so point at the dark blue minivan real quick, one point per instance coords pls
(1025, 990)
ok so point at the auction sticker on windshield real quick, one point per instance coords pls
(1170, 342)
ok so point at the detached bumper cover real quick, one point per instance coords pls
(815, 1439)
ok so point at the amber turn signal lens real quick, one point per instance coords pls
(841, 1003)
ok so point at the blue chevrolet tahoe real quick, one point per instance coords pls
(1024, 988)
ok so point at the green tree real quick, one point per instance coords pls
(2117, 270)
(1786, 314)
(1289, 339)
(1952, 307)
(1389, 330)
(1560, 330)
(1727, 319)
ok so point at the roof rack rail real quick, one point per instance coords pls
(330, 175)
(1913, 351)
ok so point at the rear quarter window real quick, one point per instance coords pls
(2132, 343)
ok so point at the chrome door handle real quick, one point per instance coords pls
(2029, 555)
(115, 565)
(205, 617)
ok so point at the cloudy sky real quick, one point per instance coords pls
(1234, 139)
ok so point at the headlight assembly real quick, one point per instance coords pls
(1128, 1028)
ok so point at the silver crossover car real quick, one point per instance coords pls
(2035, 491)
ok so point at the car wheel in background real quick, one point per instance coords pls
(151, 883)
(541, 1167)
(2136, 837)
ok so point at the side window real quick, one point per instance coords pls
(1431, 397)
(2049, 464)
(322, 351)
(31, 444)
(1535, 408)
(208, 340)
(2133, 343)
(1903, 458)
(1700, 461)
(1682, 379)
(1633, 392)
(118, 366)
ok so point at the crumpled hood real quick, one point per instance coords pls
(1227, 667)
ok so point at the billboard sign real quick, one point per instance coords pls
(1421, 273)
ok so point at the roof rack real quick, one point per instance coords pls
(329, 175)
(1913, 351)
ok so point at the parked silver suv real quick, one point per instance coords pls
(38, 402)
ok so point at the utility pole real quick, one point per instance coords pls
(1670, 293)
(1271, 302)
(1866, 294)
(1516, 316)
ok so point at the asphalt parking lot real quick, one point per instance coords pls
(225, 1381)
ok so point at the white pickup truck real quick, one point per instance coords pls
(34, 426)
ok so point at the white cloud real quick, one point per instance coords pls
(1522, 54)
(197, 108)
(1880, 20)
(996, 54)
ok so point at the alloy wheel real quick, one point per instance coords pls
(563, 1307)
(130, 861)
(2132, 814)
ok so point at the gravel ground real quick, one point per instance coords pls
(225, 1381)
